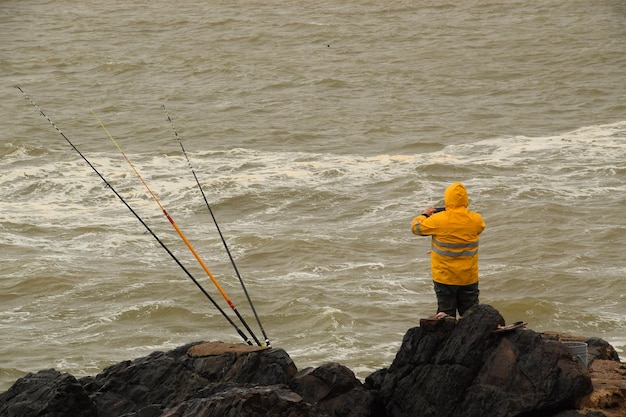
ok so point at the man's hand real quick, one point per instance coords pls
(428, 211)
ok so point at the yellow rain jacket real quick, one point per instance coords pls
(454, 245)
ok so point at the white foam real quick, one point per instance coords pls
(597, 150)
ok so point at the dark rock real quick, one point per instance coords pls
(47, 393)
(270, 401)
(476, 372)
(600, 349)
(333, 390)
(169, 378)
(375, 380)
(580, 413)
(597, 349)
(446, 368)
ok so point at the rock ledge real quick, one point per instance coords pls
(451, 369)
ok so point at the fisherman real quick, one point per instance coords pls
(454, 250)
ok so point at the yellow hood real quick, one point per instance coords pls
(456, 196)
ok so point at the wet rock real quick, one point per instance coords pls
(609, 387)
(46, 393)
(164, 380)
(333, 390)
(596, 348)
(474, 372)
(446, 368)
(236, 400)
(580, 413)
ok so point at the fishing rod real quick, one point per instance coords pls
(232, 261)
(241, 333)
(180, 232)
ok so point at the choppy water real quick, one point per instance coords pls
(317, 131)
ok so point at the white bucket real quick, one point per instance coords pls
(579, 351)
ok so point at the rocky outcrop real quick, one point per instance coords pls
(443, 368)
(472, 371)
(46, 393)
(609, 387)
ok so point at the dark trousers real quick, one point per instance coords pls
(451, 298)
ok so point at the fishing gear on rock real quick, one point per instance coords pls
(169, 252)
(180, 233)
(219, 231)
